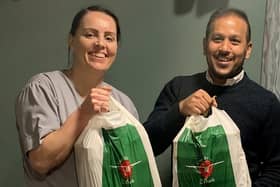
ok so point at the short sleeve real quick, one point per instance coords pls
(36, 112)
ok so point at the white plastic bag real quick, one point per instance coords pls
(114, 150)
(208, 152)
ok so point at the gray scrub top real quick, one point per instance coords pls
(42, 106)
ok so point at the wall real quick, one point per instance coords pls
(160, 39)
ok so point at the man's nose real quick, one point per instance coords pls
(225, 46)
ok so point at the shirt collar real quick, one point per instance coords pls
(229, 82)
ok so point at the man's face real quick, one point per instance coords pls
(226, 47)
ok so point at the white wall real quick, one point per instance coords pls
(160, 39)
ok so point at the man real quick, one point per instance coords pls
(255, 110)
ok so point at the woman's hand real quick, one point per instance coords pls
(97, 101)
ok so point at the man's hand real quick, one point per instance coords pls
(197, 103)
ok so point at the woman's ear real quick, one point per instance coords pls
(70, 41)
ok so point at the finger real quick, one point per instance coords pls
(104, 107)
(214, 102)
(103, 97)
(100, 99)
(206, 97)
(107, 88)
(99, 102)
(202, 108)
(204, 104)
(195, 111)
(99, 94)
(201, 104)
(96, 108)
(102, 90)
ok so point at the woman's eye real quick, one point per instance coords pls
(110, 38)
(89, 35)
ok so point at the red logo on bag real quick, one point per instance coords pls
(206, 168)
(125, 168)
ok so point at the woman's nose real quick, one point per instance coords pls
(99, 43)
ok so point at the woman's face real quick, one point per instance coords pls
(94, 45)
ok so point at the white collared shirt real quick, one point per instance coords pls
(229, 82)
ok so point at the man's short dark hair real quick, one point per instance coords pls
(225, 12)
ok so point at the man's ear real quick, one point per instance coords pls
(249, 50)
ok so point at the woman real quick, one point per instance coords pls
(54, 107)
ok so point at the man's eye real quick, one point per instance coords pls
(217, 39)
(235, 41)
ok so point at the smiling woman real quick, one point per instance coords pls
(94, 44)
(54, 107)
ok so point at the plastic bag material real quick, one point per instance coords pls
(208, 152)
(114, 151)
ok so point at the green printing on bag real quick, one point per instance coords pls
(204, 159)
(125, 162)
